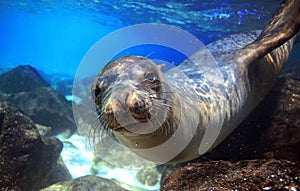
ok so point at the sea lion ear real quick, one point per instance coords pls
(160, 67)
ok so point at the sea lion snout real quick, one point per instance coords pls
(139, 106)
(126, 106)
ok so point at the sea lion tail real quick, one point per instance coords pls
(284, 25)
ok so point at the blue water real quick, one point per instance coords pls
(54, 35)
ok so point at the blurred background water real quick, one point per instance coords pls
(53, 35)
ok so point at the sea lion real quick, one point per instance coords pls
(144, 108)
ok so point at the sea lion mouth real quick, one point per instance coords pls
(118, 129)
(124, 110)
(129, 128)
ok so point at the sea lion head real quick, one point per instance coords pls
(131, 96)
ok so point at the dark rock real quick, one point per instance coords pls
(21, 79)
(46, 107)
(85, 183)
(169, 169)
(43, 130)
(281, 134)
(244, 175)
(94, 183)
(26, 158)
(25, 88)
(59, 173)
(61, 82)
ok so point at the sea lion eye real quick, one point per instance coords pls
(150, 77)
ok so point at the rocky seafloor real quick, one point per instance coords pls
(261, 154)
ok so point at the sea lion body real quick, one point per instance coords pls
(226, 101)
(216, 88)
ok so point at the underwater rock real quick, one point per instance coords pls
(281, 134)
(85, 183)
(43, 130)
(43, 104)
(59, 173)
(46, 107)
(61, 82)
(244, 175)
(21, 79)
(148, 176)
(26, 158)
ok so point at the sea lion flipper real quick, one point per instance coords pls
(283, 26)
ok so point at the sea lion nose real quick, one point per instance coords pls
(119, 96)
(138, 107)
(116, 107)
(127, 105)
(120, 100)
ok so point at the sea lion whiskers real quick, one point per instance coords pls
(167, 105)
(158, 107)
(95, 131)
(165, 102)
(151, 53)
(148, 119)
(166, 128)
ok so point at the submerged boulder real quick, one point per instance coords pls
(59, 173)
(47, 107)
(24, 87)
(242, 175)
(86, 183)
(26, 158)
(21, 79)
